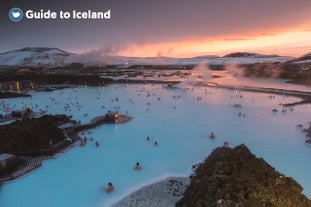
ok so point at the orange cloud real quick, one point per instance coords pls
(265, 42)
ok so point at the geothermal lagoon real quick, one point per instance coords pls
(180, 119)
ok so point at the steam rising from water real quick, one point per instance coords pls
(235, 70)
(199, 75)
(201, 71)
(233, 75)
(101, 55)
(108, 54)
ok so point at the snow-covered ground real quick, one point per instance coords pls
(303, 61)
(34, 57)
(58, 57)
(247, 60)
(211, 60)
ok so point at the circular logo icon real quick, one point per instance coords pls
(16, 14)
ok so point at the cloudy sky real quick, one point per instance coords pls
(177, 28)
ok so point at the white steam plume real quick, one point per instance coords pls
(101, 55)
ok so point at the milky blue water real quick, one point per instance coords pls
(177, 120)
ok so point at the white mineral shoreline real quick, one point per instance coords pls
(161, 193)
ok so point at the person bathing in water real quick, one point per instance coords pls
(137, 166)
(110, 187)
(212, 136)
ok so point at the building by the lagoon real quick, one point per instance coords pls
(16, 85)
(8, 163)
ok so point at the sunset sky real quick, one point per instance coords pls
(176, 28)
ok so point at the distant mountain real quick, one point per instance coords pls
(249, 55)
(95, 58)
(34, 56)
(52, 57)
(303, 59)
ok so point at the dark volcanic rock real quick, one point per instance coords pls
(293, 72)
(12, 95)
(235, 177)
(309, 131)
(248, 54)
(31, 136)
(41, 78)
(302, 58)
(296, 72)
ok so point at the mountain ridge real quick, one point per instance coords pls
(52, 57)
(34, 56)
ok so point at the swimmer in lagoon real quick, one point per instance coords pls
(137, 166)
(110, 187)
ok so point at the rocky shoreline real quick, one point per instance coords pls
(235, 177)
(31, 136)
(227, 178)
(308, 131)
(304, 96)
(162, 193)
(7, 94)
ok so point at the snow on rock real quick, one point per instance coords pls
(247, 60)
(307, 55)
(42, 56)
(34, 56)
(128, 61)
(211, 60)
(303, 59)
